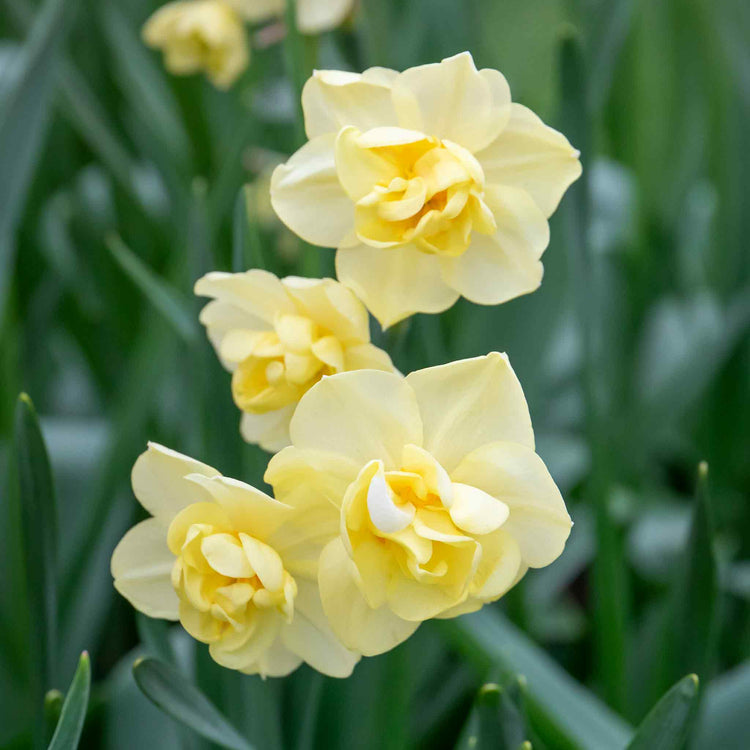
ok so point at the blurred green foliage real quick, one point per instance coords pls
(120, 185)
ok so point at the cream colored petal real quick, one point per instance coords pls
(538, 520)
(450, 100)
(308, 197)
(310, 636)
(269, 430)
(310, 477)
(367, 357)
(466, 607)
(243, 649)
(257, 292)
(359, 168)
(333, 99)
(265, 561)
(159, 484)
(395, 282)
(276, 661)
(332, 306)
(363, 415)
(225, 555)
(256, 11)
(469, 403)
(475, 511)
(142, 567)
(362, 629)
(532, 156)
(493, 270)
(247, 508)
(419, 461)
(499, 566)
(316, 16)
(415, 601)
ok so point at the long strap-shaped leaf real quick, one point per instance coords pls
(667, 724)
(23, 120)
(69, 728)
(489, 639)
(172, 693)
(39, 533)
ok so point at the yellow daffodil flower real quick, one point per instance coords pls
(279, 337)
(231, 564)
(313, 16)
(200, 35)
(431, 184)
(441, 502)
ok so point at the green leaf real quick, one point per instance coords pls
(23, 120)
(667, 724)
(496, 721)
(575, 715)
(174, 309)
(39, 532)
(247, 247)
(723, 722)
(144, 84)
(70, 726)
(172, 693)
(689, 638)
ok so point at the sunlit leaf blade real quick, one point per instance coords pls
(39, 532)
(667, 725)
(166, 300)
(23, 120)
(70, 726)
(489, 640)
(174, 695)
(690, 635)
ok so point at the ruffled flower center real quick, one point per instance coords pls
(413, 188)
(225, 579)
(280, 365)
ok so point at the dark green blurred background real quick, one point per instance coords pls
(118, 181)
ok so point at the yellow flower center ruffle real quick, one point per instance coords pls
(226, 580)
(284, 363)
(412, 188)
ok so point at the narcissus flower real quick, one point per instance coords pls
(430, 183)
(441, 502)
(231, 564)
(200, 35)
(313, 16)
(279, 337)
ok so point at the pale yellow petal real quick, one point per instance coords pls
(358, 167)
(532, 156)
(364, 415)
(276, 661)
(310, 636)
(395, 282)
(416, 601)
(538, 520)
(225, 555)
(367, 357)
(142, 567)
(317, 16)
(308, 477)
(469, 403)
(333, 99)
(475, 511)
(308, 197)
(243, 649)
(332, 306)
(265, 561)
(450, 100)
(247, 508)
(362, 629)
(499, 566)
(158, 481)
(256, 11)
(269, 430)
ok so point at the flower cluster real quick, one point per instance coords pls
(209, 35)
(396, 499)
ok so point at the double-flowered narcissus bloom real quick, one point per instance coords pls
(279, 337)
(231, 563)
(437, 499)
(431, 183)
(313, 16)
(200, 36)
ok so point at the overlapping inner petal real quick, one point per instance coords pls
(226, 580)
(412, 188)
